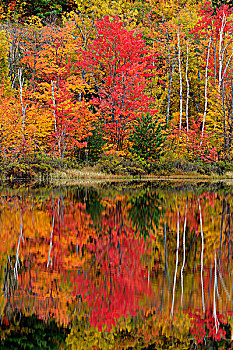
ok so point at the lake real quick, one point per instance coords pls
(125, 265)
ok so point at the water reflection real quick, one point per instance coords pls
(136, 265)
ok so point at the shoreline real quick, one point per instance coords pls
(89, 175)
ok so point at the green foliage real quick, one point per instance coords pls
(147, 138)
(40, 8)
(180, 167)
(43, 8)
(118, 165)
(31, 165)
(32, 333)
(144, 213)
(95, 144)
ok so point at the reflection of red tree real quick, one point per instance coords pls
(207, 326)
(103, 265)
(72, 258)
(116, 284)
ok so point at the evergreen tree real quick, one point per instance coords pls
(147, 138)
(96, 143)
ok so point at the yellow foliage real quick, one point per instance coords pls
(4, 69)
(34, 21)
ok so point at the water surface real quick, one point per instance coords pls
(123, 266)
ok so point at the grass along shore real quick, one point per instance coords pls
(92, 174)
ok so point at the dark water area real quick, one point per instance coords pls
(133, 265)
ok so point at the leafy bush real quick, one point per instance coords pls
(191, 145)
(118, 165)
(181, 166)
(31, 166)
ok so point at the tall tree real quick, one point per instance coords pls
(118, 63)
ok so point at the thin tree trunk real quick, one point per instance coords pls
(180, 74)
(169, 92)
(54, 106)
(171, 68)
(224, 114)
(221, 51)
(21, 81)
(199, 77)
(206, 89)
(231, 123)
(187, 82)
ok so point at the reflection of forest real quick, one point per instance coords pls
(119, 266)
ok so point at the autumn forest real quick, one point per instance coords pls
(138, 255)
(134, 87)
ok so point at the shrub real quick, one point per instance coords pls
(118, 165)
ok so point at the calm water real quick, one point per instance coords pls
(121, 266)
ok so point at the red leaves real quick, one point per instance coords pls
(119, 63)
(72, 122)
(213, 22)
(205, 327)
(192, 145)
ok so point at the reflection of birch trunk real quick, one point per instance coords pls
(166, 265)
(182, 269)
(179, 61)
(214, 297)
(222, 219)
(223, 285)
(206, 89)
(51, 240)
(177, 257)
(166, 268)
(202, 256)
(9, 281)
(194, 269)
(17, 263)
(210, 280)
(51, 235)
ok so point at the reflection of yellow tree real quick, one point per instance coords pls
(131, 332)
(98, 269)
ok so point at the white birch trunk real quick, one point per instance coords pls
(179, 61)
(221, 51)
(187, 82)
(21, 81)
(206, 89)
